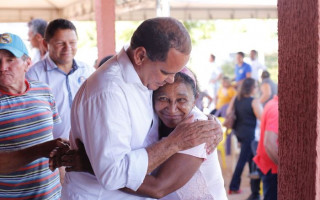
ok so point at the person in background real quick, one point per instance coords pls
(103, 60)
(267, 157)
(242, 70)
(61, 72)
(37, 28)
(256, 66)
(225, 93)
(27, 116)
(268, 88)
(215, 75)
(247, 110)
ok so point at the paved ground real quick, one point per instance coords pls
(245, 184)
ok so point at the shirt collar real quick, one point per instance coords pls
(129, 74)
(50, 65)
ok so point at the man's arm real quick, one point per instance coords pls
(271, 146)
(266, 92)
(180, 139)
(13, 160)
(172, 175)
(248, 75)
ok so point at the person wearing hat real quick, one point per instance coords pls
(27, 117)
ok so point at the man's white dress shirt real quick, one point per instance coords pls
(64, 87)
(111, 114)
(257, 68)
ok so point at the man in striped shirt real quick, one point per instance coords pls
(27, 116)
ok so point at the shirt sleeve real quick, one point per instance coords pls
(249, 68)
(105, 126)
(271, 118)
(198, 151)
(31, 75)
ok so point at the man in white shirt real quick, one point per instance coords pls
(61, 71)
(256, 66)
(112, 114)
(37, 28)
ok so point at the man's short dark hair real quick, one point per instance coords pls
(265, 74)
(105, 59)
(158, 35)
(254, 51)
(56, 24)
(241, 54)
(38, 26)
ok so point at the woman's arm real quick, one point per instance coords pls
(172, 175)
(257, 108)
(12, 160)
(231, 105)
(266, 92)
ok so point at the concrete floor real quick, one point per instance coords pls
(245, 181)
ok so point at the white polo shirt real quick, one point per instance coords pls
(111, 114)
(64, 87)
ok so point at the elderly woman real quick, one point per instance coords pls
(189, 174)
(196, 174)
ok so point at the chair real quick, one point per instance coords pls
(221, 145)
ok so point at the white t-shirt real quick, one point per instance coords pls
(207, 183)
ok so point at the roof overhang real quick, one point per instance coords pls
(135, 10)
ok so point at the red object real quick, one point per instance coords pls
(269, 122)
(234, 191)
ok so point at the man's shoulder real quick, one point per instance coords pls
(84, 67)
(39, 86)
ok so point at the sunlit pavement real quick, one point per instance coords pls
(245, 181)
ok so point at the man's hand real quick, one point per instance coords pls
(47, 147)
(73, 160)
(190, 134)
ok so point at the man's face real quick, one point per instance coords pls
(239, 59)
(252, 55)
(32, 39)
(155, 74)
(62, 46)
(12, 69)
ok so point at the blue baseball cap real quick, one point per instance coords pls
(14, 44)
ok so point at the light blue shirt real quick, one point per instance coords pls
(64, 87)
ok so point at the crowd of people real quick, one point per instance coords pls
(129, 128)
(251, 96)
(118, 132)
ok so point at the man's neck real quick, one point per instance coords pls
(66, 68)
(16, 89)
(42, 51)
(240, 64)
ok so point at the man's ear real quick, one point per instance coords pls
(45, 44)
(39, 37)
(139, 55)
(28, 64)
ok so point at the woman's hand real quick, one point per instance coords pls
(190, 134)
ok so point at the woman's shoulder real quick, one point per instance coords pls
(198, 114)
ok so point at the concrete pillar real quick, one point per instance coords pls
(299, 112)
(105, 20)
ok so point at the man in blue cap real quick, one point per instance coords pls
(27, 116)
